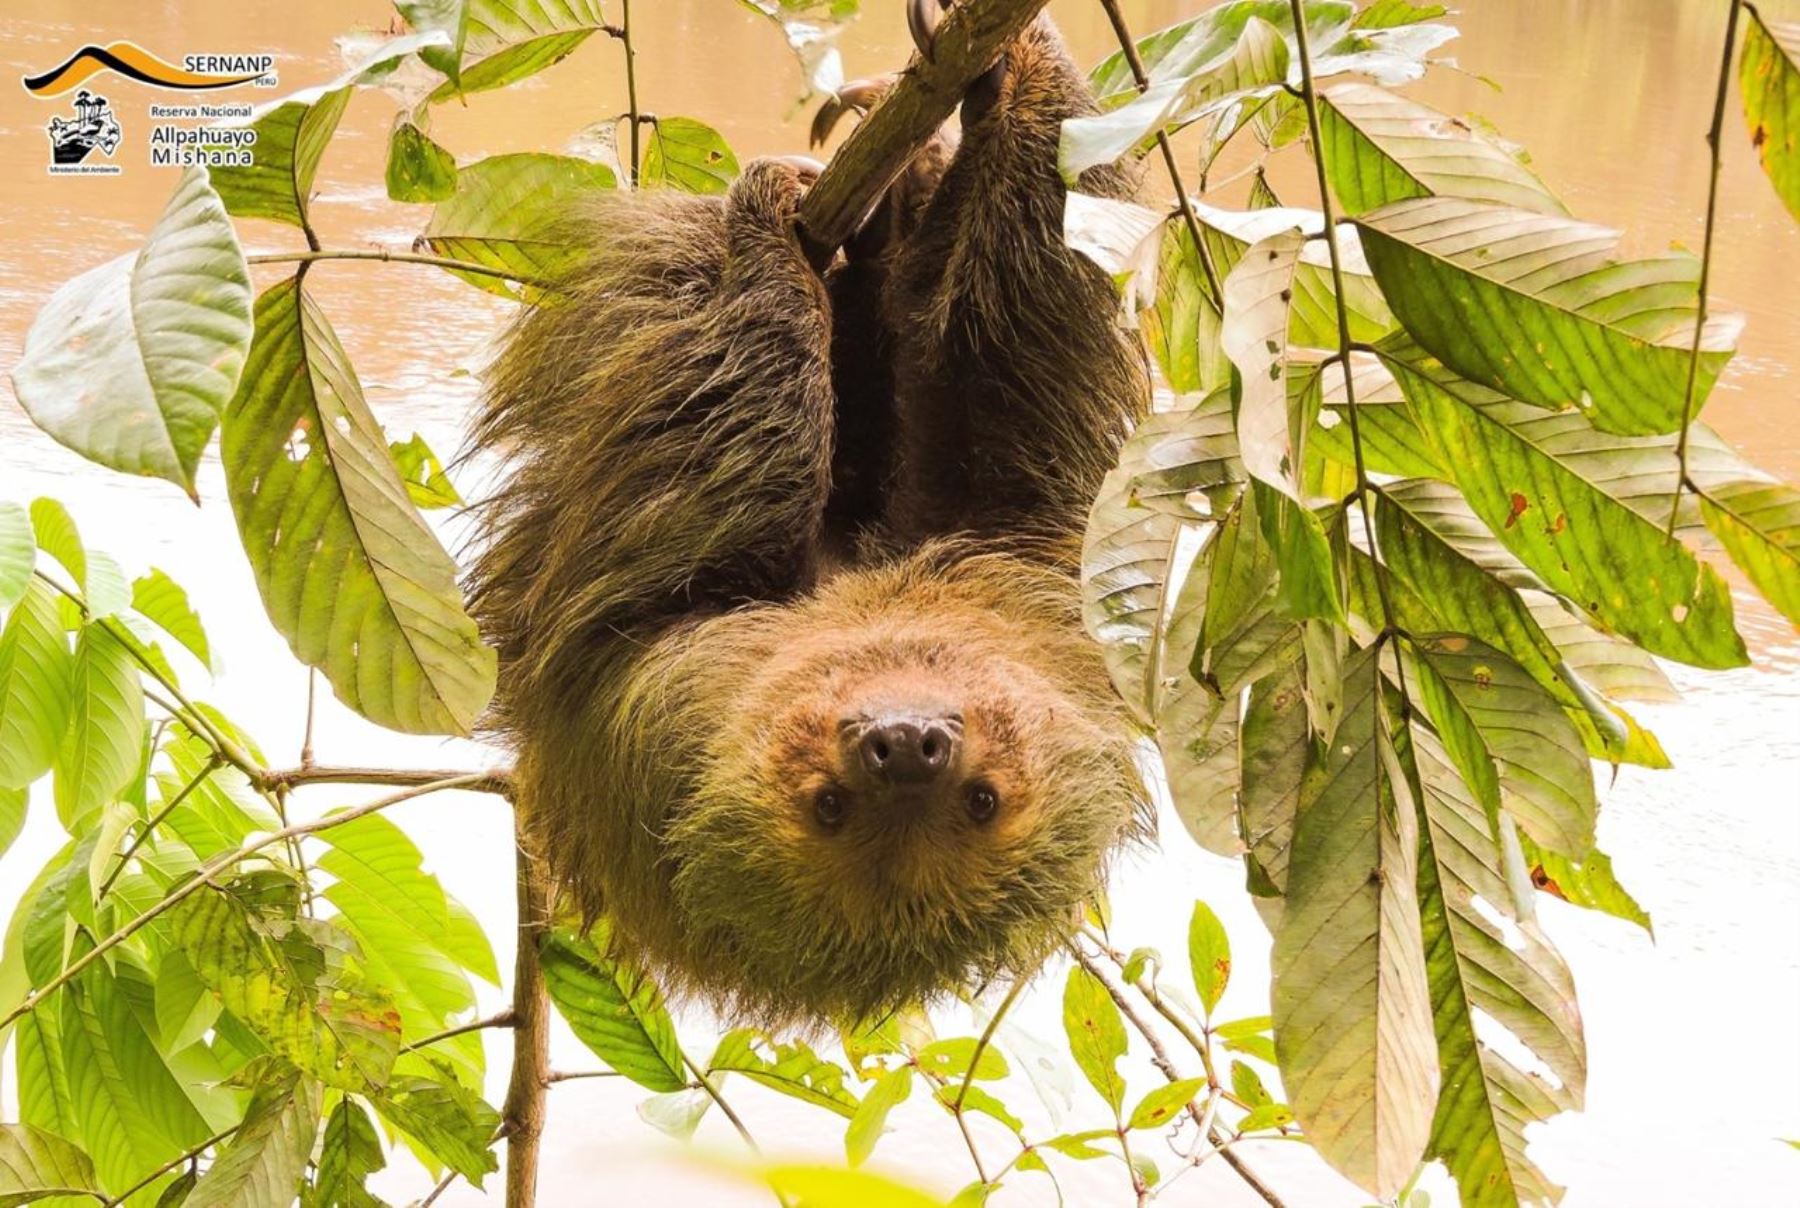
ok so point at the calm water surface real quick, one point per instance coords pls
(1695, 1039)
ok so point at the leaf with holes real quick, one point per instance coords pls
(1505, 969)
(614, 1009)
(350, 1152)
(1555, 513)
(1535, 305)
(296, 983)
(132, 363)
(417, 168)
(507, 213)
(426, 483)
(1312, 308)
(1381, 148)
(348, 572)
(1769, 77)
(684, 154)
(1588, 882)
(1258, 296)
(791, 1068)
(1351, 1007)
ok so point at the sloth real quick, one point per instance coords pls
(783, 573)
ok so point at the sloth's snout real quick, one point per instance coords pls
(909, 750)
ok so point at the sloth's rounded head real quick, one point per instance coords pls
(902, 808)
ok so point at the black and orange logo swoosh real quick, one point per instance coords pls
(128, 59)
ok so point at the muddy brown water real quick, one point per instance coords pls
(1695, 1044)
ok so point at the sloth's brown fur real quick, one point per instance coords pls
(712, 551)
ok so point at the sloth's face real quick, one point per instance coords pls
(899, 814)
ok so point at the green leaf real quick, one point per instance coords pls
(1209, 954)
(348, 572)
(1508, 972)
(36, 687)
(1276, 747)
(1769, 78)
(1758, 523)
(12, 815)
(57, 536)
(492, 43)
(509, 211)
(36, 1165)
(1266, 1116)
(1254, 65)
(1182, 326)
(350, 1153)
(870, 1119)
(952, 1058)
(1165, 1103)
(417, 168)
(426, 483)
(613, 1008)
(1306, 586)
(400, 918)
(1312, 308)
(1080, 1145)
(263, 1163)
(1352, 1015)
(1247, 1085)
(1533, 305)
(133, 1115)
(1096, 1034)
(1555, 513)
(1588, 882)
(132, 363)
(791, 1068)
(103, 746)
(684, 154)
(451, 1121)
(164, 603)
(1380, 148)
(1259, 292)
(296, 983)
(978, 1100)
(18, 553)
(291, 137)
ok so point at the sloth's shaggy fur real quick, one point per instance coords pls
(708, 560)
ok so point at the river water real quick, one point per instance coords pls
(1694, 1039)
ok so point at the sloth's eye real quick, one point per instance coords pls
(982, 802)
(828, 808)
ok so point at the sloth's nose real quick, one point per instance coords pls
(908, 750)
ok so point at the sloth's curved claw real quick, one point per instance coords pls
(805, 166)
(859, 96)
(922, 19)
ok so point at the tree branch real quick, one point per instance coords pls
(967, 43)
(505, 1018)
(497, 781)
(525, 1096)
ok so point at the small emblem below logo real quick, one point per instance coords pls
(73, 139)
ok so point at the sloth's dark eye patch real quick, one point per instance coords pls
(828, 808)
(981, 802)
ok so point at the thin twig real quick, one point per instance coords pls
(1713, 138)
(555, 1076)
(171, 1164)
(504, 1018)
(497, 781)
(306, 737)
(461, 266)
(1159, 1057)
(1128, 46)
(211, 869)
(162, 815)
